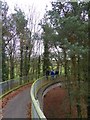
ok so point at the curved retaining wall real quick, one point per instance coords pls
(36, 112)
(39, 88)
(51, 87)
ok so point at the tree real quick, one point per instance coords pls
(4, 38)
(46, 40)
(21, 24)
(70, 25)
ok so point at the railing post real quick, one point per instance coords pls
(9, 85)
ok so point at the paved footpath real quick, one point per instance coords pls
(17, 106)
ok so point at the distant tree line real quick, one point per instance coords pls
(18, 39)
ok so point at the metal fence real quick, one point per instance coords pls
(36, 112)
(36, 108)
(10, 85)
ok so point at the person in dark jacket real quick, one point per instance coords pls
(52, 74)
(47, 74)
(56, 73)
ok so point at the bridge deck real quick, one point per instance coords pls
(17, 106)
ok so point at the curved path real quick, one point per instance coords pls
(18, 105)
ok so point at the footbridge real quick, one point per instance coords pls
(16, 107)
(39, 88)
(34, 94)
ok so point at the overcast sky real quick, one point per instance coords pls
(25, 5)
(39, 5)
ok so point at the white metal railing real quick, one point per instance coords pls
(10, 85)
(36, 111)
(38, 85)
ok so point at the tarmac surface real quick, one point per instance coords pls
(18, 105)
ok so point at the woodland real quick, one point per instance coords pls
(61, 40)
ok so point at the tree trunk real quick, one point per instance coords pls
(78, 92)
(65, 64)
(88, 101)
(73, 58)
(11, 66)
(39, 66)
(5, 69)
(46, 61)
(21, 60)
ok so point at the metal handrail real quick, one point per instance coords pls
(36, 109)
(10, 85)
(35, 104)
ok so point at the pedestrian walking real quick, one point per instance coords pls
(47, 74)
(56, 73)
(52, 74)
